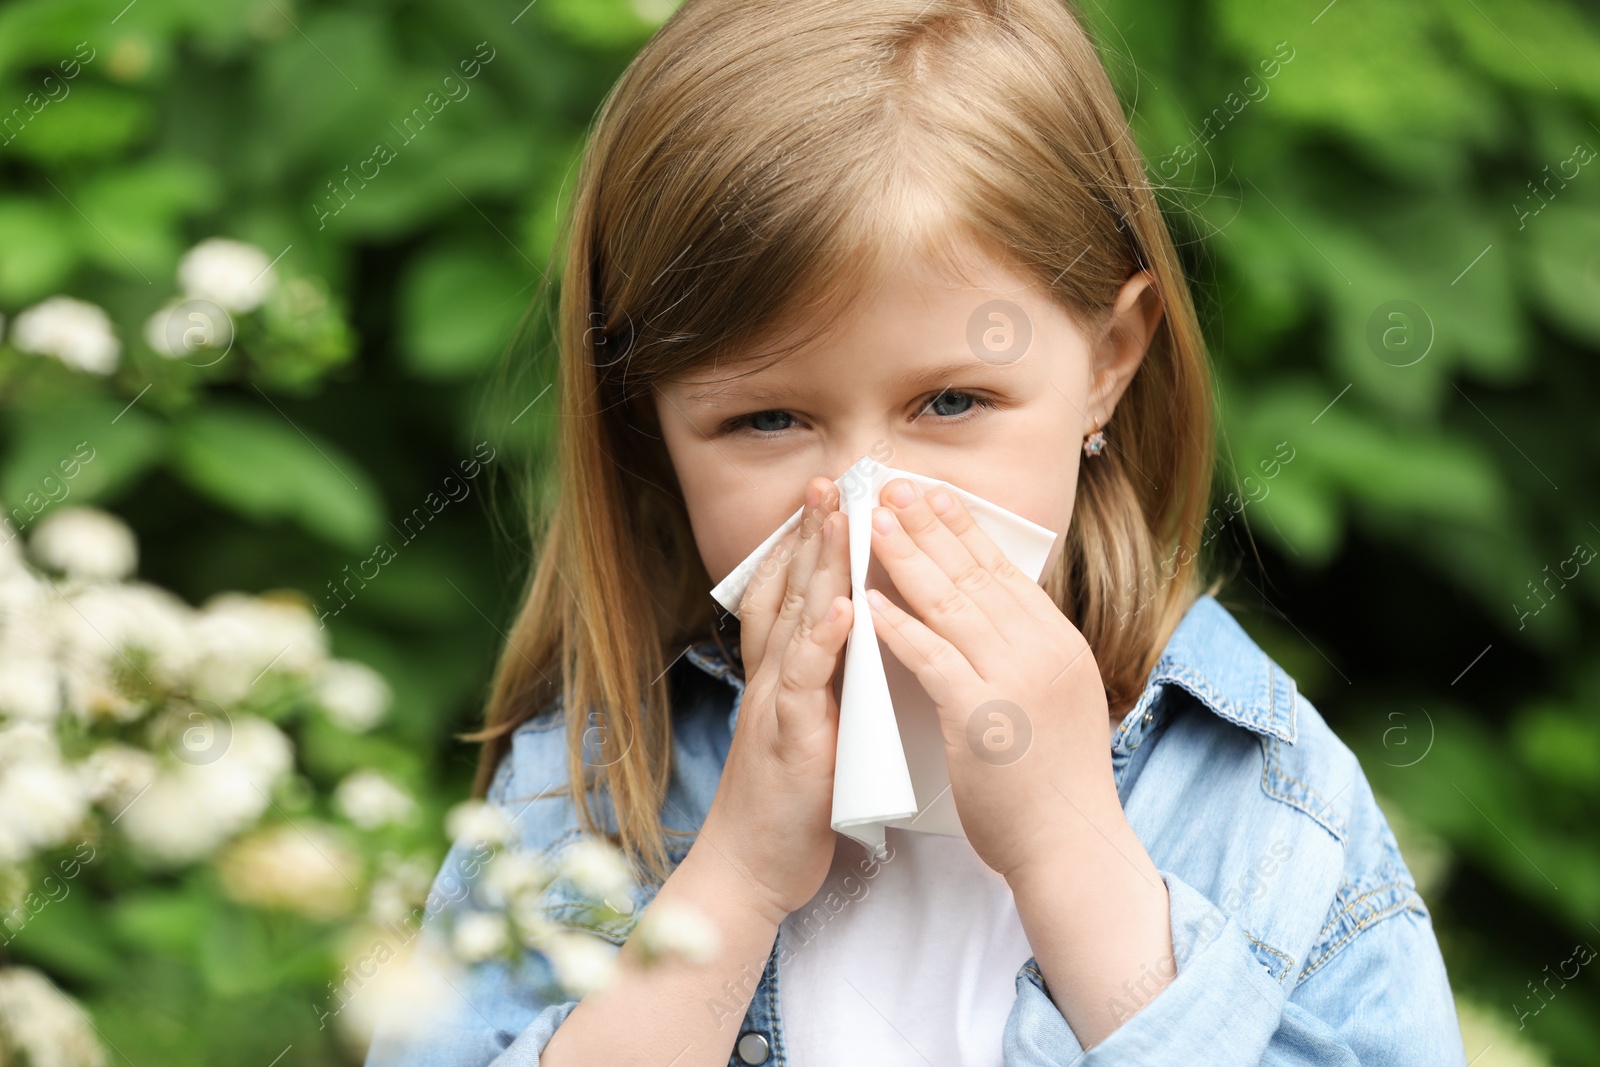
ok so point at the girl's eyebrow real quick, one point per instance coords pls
(732, 392)
(923, 377)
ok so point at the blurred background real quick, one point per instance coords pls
(262, 263)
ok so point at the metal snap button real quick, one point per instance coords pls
(1148, 716)
(752, 1047)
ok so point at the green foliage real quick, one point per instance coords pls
(1441, 499)
(264, 468)
(1394, 284)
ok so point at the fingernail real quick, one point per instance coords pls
(900, 494)
(939, 501)
(813, 495)
(883, 520)
(876, 599)
(833, 610)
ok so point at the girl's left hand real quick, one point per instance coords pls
(1021, 703)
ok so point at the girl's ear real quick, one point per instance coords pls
(1124, 340)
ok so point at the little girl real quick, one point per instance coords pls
(808, 231)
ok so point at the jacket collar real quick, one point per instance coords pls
(1208, 656)
(1211, 657)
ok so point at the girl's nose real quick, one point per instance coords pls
(876, 448)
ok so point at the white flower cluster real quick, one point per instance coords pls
(191, 809)
(371, 799)
(399, 887)
(306, 867)
(496, 897)
(85, 543)
(354, 695)
(128, 716)
(230, 276)
(40, 1025)
(412, 990)
(41, 800)
(83, 644)
(514, 888)
(236, 275)
(73, 331)
(407, 987)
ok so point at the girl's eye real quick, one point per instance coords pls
(978, 403)
(761, 423)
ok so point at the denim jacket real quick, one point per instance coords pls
(1298, 933)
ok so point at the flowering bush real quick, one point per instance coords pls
(136, 731)
(136, 726)
(287, 334)
(489, 904)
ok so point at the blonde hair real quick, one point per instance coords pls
(751, 171)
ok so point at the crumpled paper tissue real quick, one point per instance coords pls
(890, 765)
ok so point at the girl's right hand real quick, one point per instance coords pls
(773, 807)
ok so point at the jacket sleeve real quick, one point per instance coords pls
(488, 1014)
(1381, 997)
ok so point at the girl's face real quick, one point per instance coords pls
(991, 389)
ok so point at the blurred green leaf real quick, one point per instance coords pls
(1538, 46)
(458, 307)
(91, 122)
(606, 23)
(36, 248)
(131, 213)
(81, 452)
(265, 467)
(1562, 267)
(1560, 745)
(161, 918)
(1384, 83)
(66, 933)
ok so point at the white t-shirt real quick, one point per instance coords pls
(912, 959)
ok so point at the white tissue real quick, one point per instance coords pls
(890, 766)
